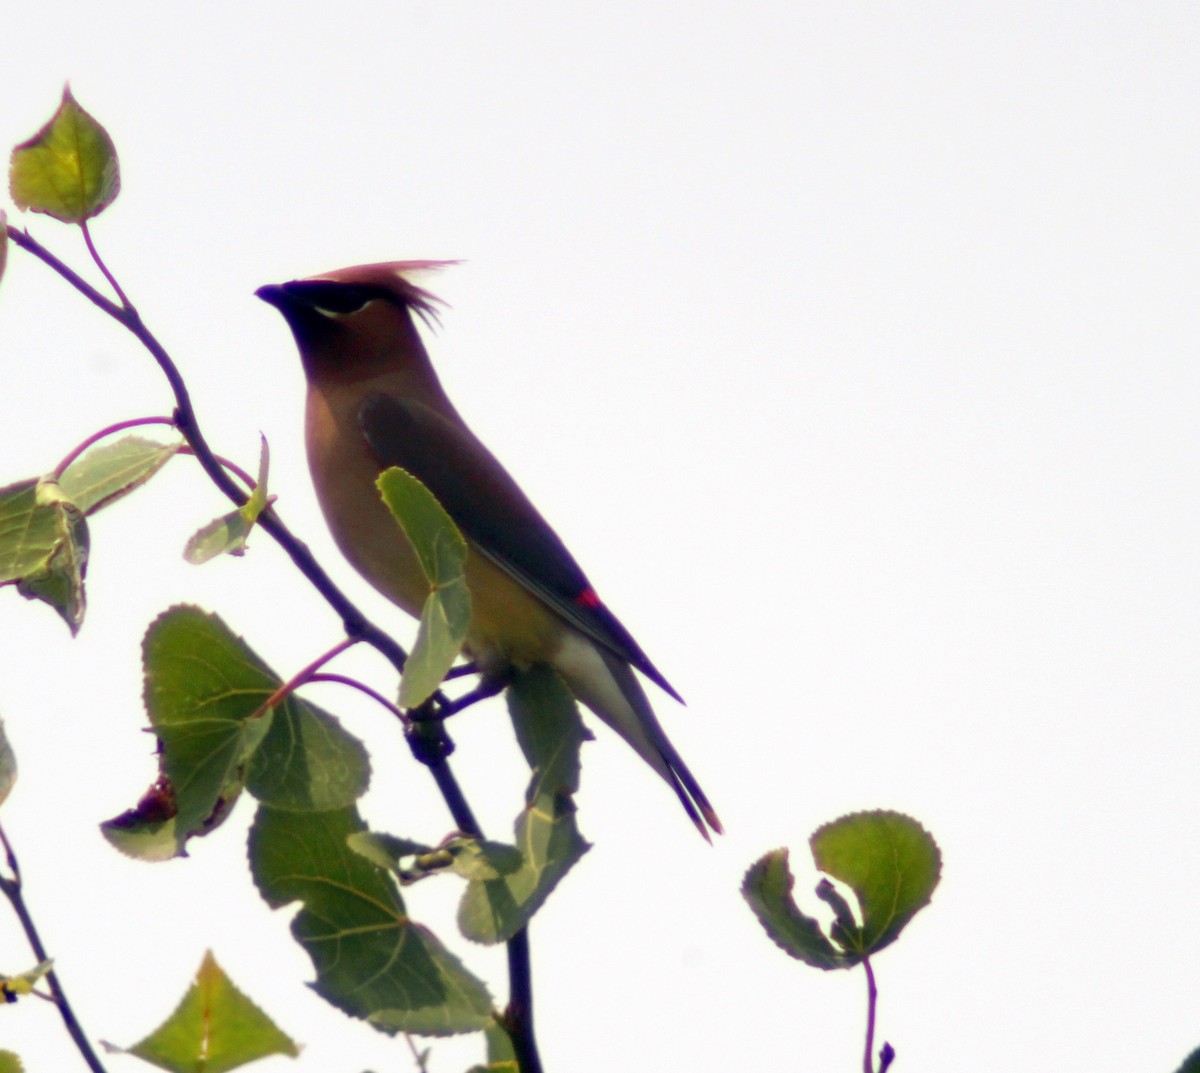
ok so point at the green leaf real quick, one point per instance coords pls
(890, 862)
(768, 888)
(439, 545)
(148, 832)
(371, 960)
(44, 547)
(385, 851)
(227, 534)
(409, 861)
(214, 1029)
(259, 500)
(499, 1046)
(68, 169)
(307, 761)
(8, 765)
(23, 983)
(550, 733)
(10, 1063)
(440, 635)
(205, 691)
(501, 1058)
(44, 538)
(27, 531)
(442, 553)
(106, 473)
(477, 859)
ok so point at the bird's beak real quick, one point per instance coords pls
(273, 294)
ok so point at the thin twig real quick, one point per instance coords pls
(11, 888)
(461, 671)
(362, 687)
(489, 687)
(872, 994)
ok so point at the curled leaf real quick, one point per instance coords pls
(207, 695)
(768, 889)
(890, 862)
(227, 534)
(44, 547)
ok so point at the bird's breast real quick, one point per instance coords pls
(344, 473)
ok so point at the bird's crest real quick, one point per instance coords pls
(395, 278)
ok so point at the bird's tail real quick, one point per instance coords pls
(607, 685)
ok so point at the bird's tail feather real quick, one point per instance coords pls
(646, 735)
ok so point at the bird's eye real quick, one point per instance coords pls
(332, 299)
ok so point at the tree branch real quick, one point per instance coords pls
(11, 888)
(518, 1018)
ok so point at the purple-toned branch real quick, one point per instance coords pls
(10, 887)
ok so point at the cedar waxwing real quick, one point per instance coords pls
(374, 401)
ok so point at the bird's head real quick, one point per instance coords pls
(356, 322)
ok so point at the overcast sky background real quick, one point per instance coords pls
(852, 349)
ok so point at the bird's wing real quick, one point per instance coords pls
(495, 515)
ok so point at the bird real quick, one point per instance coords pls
(375, 401)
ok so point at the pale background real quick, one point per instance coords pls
(853, 350)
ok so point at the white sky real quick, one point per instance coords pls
(852, 348)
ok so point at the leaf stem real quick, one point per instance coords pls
(233, 468)
(11, 889)
(418, 1056)
(305, 675)
(112, 280)
(872, 995)
(96, 437)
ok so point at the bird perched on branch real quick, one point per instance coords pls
(374, 401)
